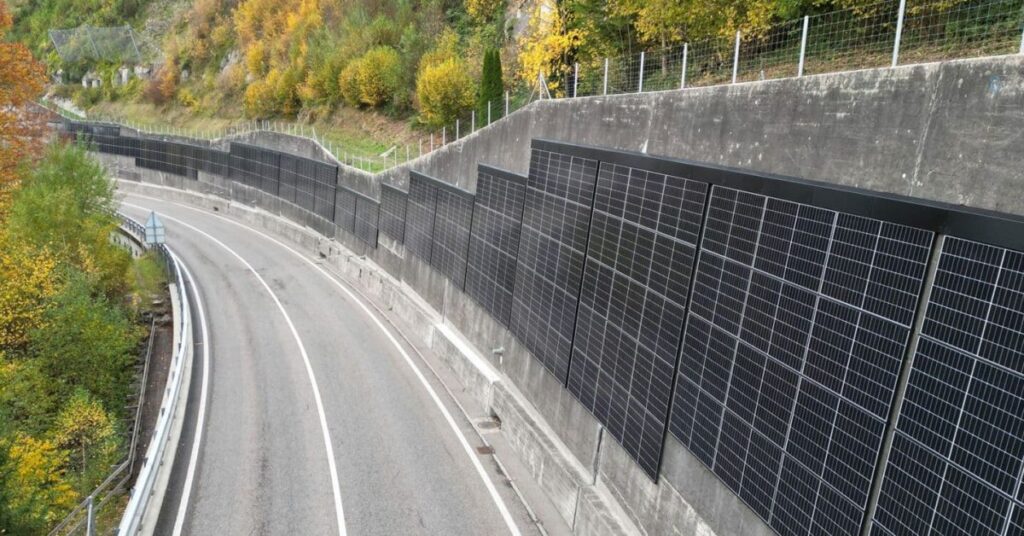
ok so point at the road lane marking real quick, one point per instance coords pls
(190, 474)
(470, 452)
(336, 487)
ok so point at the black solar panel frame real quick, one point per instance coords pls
(420, 212)
(453, 217)
(392, 212)
(494, 240)
(367, 219)
(345, 210)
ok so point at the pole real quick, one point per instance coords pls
(899, 33)
(90, 522)
(575, 80)
(605, 76)
(682, 79)
(640, 86)
(431, 142)
(1022, 43)
(456, 129)
(803, 46)
(736, 58)
(444, 136)
(506, 103)
(472, 121)
(488, 112)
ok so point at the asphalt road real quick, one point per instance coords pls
(268, 447)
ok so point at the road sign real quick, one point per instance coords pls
(154, 230)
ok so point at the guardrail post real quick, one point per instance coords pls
(640, 86)
(605, 76)
(575, 79)
(736, 58)
(803, 46)
(899, 33)
(682, 78)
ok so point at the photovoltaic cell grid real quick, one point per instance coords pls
(643, 240)
(451, 234)
(956, 461)
(494, 241)
(392, 212)
(419, 221)
(367, 215)
(345, 210)
(798, 324)
(552, 246)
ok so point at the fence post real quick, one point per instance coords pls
(899, 33)
(421, 146)
(472, 121)
(506, 103)
(605, 76)
(488, 112)
(456, 130)
(803, 47)
(575, 79)
(90, 521)
(736, 58)
(444, 136)
(1022, 42)
(640, 85)
(682, 78)
(431, 142)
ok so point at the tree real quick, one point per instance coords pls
(86, 431)
(445, 92)
(547, 44)
(37, 494)
(492, 88)
(378, 76)
(27, 283)
(22, 79)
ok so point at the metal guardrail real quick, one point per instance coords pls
(142, 493)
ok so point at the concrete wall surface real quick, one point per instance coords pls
(951, 132)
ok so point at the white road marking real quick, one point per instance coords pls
(305, 358)
(179, 521)
(495, 496)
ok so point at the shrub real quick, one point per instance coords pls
(445, 91)
(378, 76)
(348, 83)
(259, 98)
(491, 86)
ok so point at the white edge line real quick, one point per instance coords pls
(305, 358)
(179, 521)
(498, 501)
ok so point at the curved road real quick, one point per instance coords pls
(304, 384)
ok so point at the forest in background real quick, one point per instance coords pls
(407, 59)
(70, 303)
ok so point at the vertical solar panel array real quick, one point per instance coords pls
(956, 461)
(345, 210)
(392, 212)
(552, 247)
(643, 242)
(367, 216)
(451, 233)
(799, 322)
(419, 216)
(494, 240)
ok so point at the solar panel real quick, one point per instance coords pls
(289, 178)
(367, 215)
(799, 321)
(552, 246)
(643, 239)
(345, 210)
(494, 240)
(956, 461)
(451, 233)
(392, 212)
(420, 212)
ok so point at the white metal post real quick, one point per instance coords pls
(605, 76)
(803, 46)
(736, 58)
(899, 33)
(682, 77)
(472, 121)
(506, 103)
(1022, 43)
(444, 135)
(640, 86)
(90, 522)
(575, 80)
(431, 142)
(488, 112)
(456, 129)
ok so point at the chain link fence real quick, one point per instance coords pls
(89, 43)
